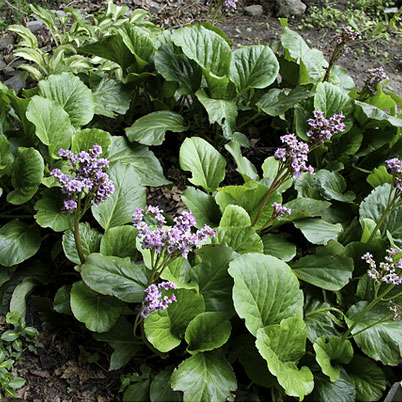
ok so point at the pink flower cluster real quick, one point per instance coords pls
(294, 155)
(87, 177)
(395, 165)
(322, 129)
(178, 239)
(388, 271)
(346, 34)
(154, 300)
(375, 77)
(280, 210)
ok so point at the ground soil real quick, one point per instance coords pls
(60, 371)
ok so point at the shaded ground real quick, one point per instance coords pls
(61, 371)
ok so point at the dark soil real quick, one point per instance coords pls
(60, 371)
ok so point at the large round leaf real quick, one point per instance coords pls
(205, 163)
(18, 242)
(342, 390)
(26, 175)
(52, 123)
(115, 276)
(207, 331)
(253, 67)
(120, 241)
(99, 313)
(265, 290)
(87, 138)
(205, 377)
(71, 94)
(127, 196)
(151, 128)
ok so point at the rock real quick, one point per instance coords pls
(254, 10)
(35, 25)
(287, 8)
(2, 63)
(6, 41)
(268, 5)
(16, 81)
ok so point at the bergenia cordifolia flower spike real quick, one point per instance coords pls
(322, 129)
(280, 210)
(178, 239)
(346, 35)
(375, 77)
(294, 156)
(395, 165)
(87, 177)
(154, 300)
(388, 271)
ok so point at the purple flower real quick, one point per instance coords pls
(178, 239)
(395, 165)
(294, 156)
(375, 77)
(388, 271)
(322, 129)
(86, 177)
(280, 210)
(154, 299)
(346, 35)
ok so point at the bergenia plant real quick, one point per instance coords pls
(218, 9)
(86, 185)
(375, 77)
(340, 42)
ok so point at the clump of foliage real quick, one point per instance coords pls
(261, 285)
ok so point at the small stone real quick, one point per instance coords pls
(35, 25)
(254, 11)
(287, 8)
(16, 82)
(2, 63)
(6, 41)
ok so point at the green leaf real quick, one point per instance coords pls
(49, 210)
(249, 196)
(253, 67)
(90, 242)
(342, 390)
(178, 68)
(244, 166)
(379, 176)
(203, 207)
(111, 97)
(127, 196)
(121, 339)
(282, 346)
(115, 276)
(318, 231)
(207, 331)
(165, 328)
(240, 239)
(208, 49)
(140, 158)
(61, 302)
(69, 92)
(151, 128)
(6, 156)
(381, 341)
(120, 242)
(205, 377)
(161, 390)
(52, 123)
(18, 242)
(219, 110)
(213, 279)
(329, 352)
(26, 175)
(332, 99)
(333, 186)
(329, 268)
(138, 392)
(373, 207)
(278, 101)
(265, 290)
(99, 313)
(18, 298)
(305, 208)
(368, 378)
(205, 163)
(374, 113)
(178, 272)
(84, 140)
(278, 246)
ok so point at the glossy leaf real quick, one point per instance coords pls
(265, 290)
(18, 242)
(99, 313)
(278, 246)
(318, 231)
(84, 140)
(205, 377)
(127, 196)
(115, 276)
(342, 390)
(119, 241)
(161, 390)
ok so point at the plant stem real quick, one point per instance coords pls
(77, 232)
(385, 318)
